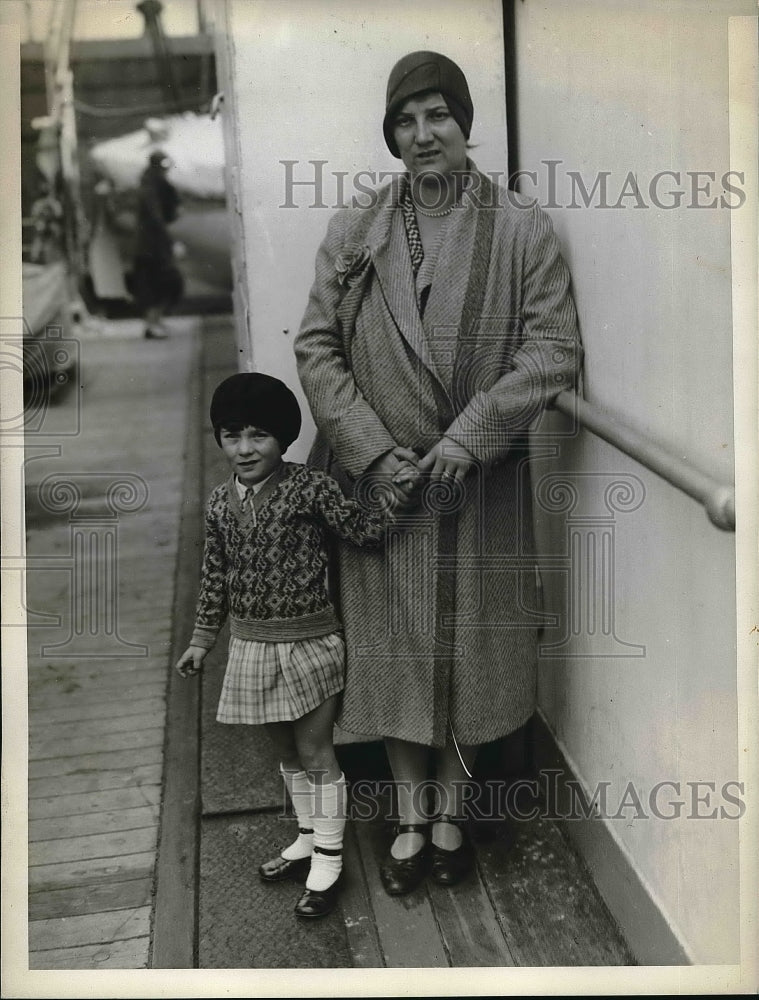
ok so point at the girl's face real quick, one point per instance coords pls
(428, 136)
(253, 454)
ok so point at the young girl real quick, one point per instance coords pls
(265, 565)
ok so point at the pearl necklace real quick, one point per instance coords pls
(435, 215)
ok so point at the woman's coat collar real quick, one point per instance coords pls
(387, 241)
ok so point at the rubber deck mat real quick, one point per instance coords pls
(246, 923)
(239, 770)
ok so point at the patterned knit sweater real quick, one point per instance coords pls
(268, 570)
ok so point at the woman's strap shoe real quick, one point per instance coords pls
(318, 903)
(412, 828)
(450, 867)
(279, 869)
(401, 875)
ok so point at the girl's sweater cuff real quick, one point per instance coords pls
(203, 636)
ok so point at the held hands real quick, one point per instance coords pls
(191, 661)
(399, 467)
(407, 472)
(391, 462)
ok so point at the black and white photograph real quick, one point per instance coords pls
(378, 426)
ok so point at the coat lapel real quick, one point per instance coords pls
(392, 265)
(396, 277)
(442, 317)
(442, 323)
(438, 335)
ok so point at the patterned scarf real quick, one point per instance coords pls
(412, 230)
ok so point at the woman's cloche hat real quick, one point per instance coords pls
(423, 71)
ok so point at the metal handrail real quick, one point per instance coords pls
(717, 498)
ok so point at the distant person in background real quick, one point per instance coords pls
(47, 225)
(157, 283)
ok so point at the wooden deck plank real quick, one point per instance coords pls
(97, 928)
(52, 692)
(95, 668)
(91, 871)
(142, 776)
(94, 802)
(148, 625)
(132, 585)
(131, 954)
(164, 534)
(88, 824)
(406, 927)
(99, 845)
(141, 618)
(78, 900)
(43, 701)
(471, 932)
(110, 709)
(48, 767)
(546, 903)
(144, 549)
(66, 733)
(356, 909)
(117, 684)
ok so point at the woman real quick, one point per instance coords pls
(439, 325)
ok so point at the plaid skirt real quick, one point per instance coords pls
(280, 681)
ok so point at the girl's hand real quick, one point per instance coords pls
(407, 477)
(447, 460)
(191, 661)
(398, 466)
(391, 462)
(405, 455)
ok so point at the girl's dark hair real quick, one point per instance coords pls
(253, 399)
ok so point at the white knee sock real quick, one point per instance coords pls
(300, 790)
(330, 801)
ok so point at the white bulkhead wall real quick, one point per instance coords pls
(609, 91)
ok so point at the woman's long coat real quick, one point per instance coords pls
(441, 625)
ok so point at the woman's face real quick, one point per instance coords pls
(428, 136)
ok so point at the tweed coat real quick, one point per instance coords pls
(440, 637)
